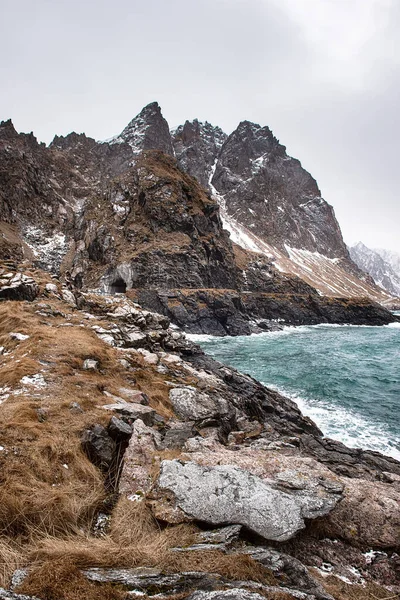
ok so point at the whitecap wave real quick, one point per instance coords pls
(345, 426)
(201, 337)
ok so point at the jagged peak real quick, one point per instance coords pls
(195, 129)
(67, 141)
(8, 124)
(149, 130)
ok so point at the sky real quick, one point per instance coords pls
(322, 74)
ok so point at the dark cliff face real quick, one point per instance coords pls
(147, 131)
(263, 188)
(197, 146)
(155, 226)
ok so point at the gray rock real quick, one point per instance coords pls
(295, 573)
(51, 288)
(133, 411)
(178, 434)
(68, 297)
(7, 595)
(119, 430)
(143, 579)
(190, 404)
(217, 539)
(99, 446)
(233, 594)
(90, 365)
(224, 535)
(16, 286)
(226, 494)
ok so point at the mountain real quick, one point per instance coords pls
(380, 264)
(103, 217)
(271, 205)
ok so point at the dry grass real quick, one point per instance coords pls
(10, 559)
(344, 591)
(62, 580)
(50, 492)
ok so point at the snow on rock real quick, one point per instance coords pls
(48, 250)
(36, 380)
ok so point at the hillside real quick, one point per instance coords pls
(131, 464)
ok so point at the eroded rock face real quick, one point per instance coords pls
(16, 286)
(226, 494)
(370, 513)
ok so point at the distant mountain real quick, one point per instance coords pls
(382, 265)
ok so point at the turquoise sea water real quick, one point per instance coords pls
(346, 378)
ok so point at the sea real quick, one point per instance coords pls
(345, 377)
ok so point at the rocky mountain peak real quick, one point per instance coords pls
(147, 131)
(72, 140)
(197, 146)
(377, 266)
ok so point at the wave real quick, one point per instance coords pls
(344, 425)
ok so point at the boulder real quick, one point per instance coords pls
(16, 286)
(225, 494)
(192, 405)
(99, 446)
(136, 476)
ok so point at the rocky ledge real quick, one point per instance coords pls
(133, 464)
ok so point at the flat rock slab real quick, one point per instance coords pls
(143, 579)
(225, 494)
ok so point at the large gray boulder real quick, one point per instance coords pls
(226, 494)
(192, 405)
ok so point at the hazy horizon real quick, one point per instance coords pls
(322, 74)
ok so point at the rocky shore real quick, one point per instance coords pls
(132, 464)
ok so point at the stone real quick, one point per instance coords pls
(289, 569)
(224, 535)
(178, 433)
(7, 595)
(133, 411)
(233, 594)
(369, 512)
(145, 579)
(90, 364)
(119, 430)
(51, 288)
(192, 405)
(99, 446)
(226, 494)
(68, 297)
(139, 460)
(16, 286)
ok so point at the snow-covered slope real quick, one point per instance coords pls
(382, 265)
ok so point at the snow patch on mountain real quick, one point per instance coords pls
(382, 265)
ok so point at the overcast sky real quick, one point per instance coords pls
(322, 74)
